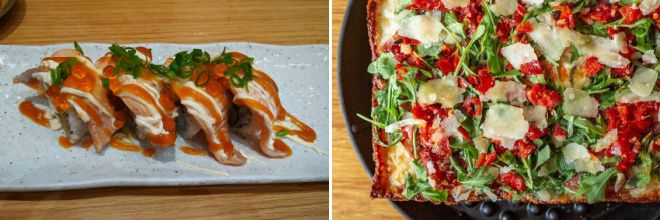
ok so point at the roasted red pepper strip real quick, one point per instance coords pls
(630, 14)
(531, 68)
(472, 106)
(514, 181)
(523, 148)
(486, 159)
(540, 95)
(483, 81)
(592, 66)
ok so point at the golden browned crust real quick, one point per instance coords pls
(381, 187)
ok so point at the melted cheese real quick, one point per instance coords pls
(643, 82)
(505, 123)
(518, 54)
(399, 161)
(579, 103)
(444, 91)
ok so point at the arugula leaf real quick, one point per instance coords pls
(384, 65)
(479, 178)
(642, 171)
(542, 156)
(428, 50)
(642, 29)
(418, 184)
(607, 99)
(454, 26)
(593, 186)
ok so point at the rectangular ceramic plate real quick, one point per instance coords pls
(31, 158)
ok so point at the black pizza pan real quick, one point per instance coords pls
(354, 56)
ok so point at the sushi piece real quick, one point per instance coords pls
(73, 85)
(258, 92)
(147, 95)
(205, 98)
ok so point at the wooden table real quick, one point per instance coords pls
(180, 21)
(351, 185)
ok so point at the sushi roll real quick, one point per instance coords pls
(147, 95)
(74, 87)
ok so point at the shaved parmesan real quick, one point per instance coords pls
(504, 7)
(543, 195)
(389, 20)
(505, 123)
(553, 41)
(548, 41)
(649, 57)
(643, 82)
(405, 122)
(648, 6)
(426, 28)
(450, 4)
(591, 165)
(620, 179)
(581, 159)
(532, 2)
(481, 143)
(628, 96)
(518, 54)
(508, 91)
(444, 91)
(579, 103)
(606, 141)
(536, 114)
(573, 152)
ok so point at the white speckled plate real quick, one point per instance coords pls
(31, 158)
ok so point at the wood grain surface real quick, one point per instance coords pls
(351, 184)
(123, 21)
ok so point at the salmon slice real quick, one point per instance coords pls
(209, 112)
(148, 97)
(80, 100)
(260, 95)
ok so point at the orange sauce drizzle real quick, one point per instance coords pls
(193, 151)
(281, 146)
(91, 111)
(305, 132)
(35, 114)
(87, 143)
(149, 152)
(82, 78)
(65, 142)
(123, 146)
